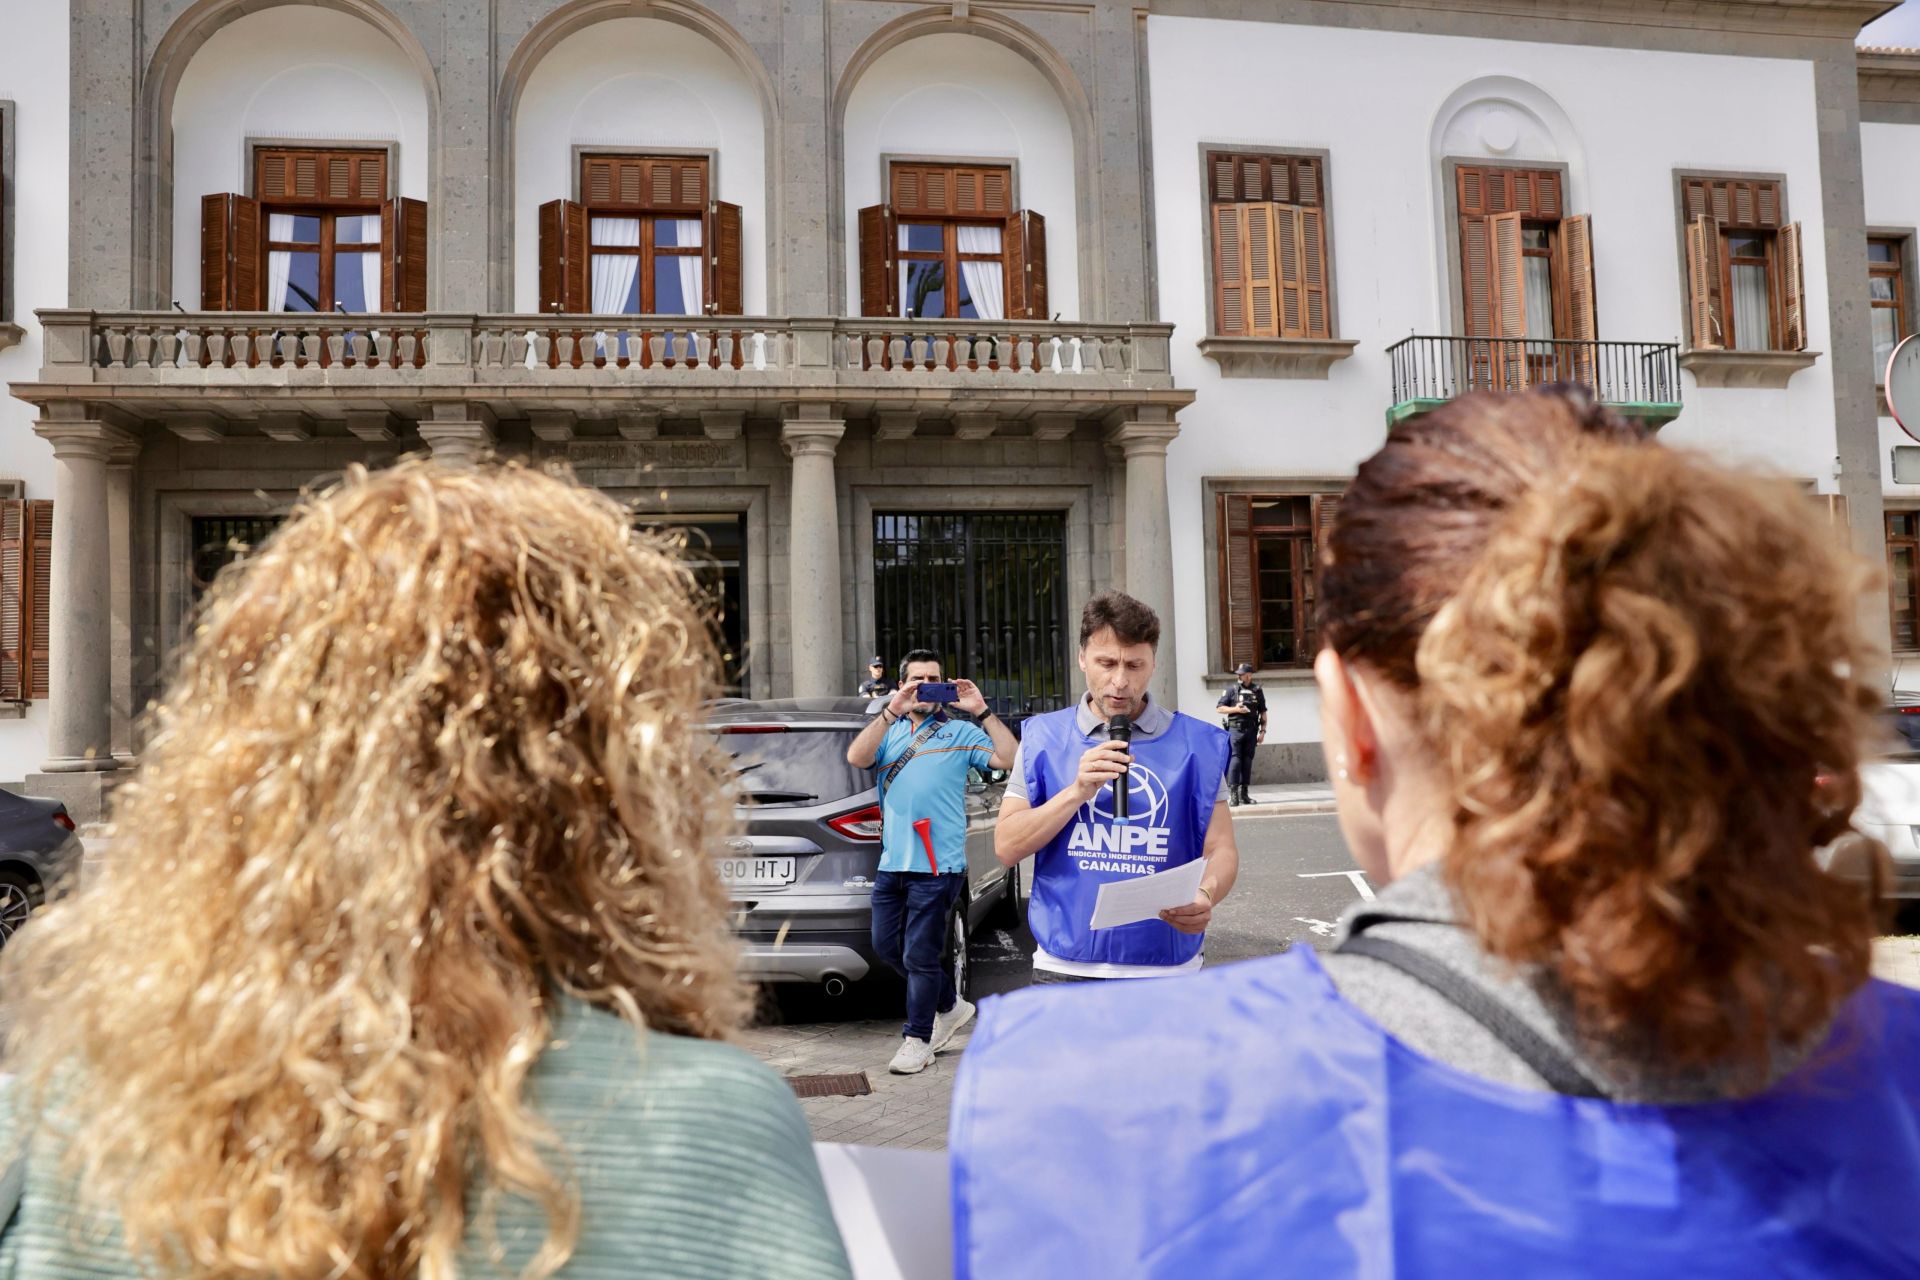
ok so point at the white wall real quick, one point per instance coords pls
(638, 83)
(968, 98)
(1890, 165)
(296, 73)
(1389, 107)
(34, 77)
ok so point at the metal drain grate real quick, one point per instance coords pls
(847, 1086)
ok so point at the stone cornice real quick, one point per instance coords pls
(1839, 19)
(1889, 75)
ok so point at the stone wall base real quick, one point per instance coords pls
(84, 794)
(1279, 762)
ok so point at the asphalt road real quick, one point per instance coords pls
(1295, 880)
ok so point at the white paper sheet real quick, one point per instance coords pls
(893, 1210)
(1145, 897)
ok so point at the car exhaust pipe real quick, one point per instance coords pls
(834, 985)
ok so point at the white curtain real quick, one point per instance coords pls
(983, 278)
(370, 262)
(1539, 300)
(279, 261)
(1750, 310)
(693, 276)
(614, 273)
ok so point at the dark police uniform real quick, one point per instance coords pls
(879, 687)
(1244, 733)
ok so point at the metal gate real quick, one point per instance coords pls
(986, 592)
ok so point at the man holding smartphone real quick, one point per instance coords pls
(923, 756)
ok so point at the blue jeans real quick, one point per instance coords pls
(910, 913)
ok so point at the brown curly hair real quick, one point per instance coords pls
(1631, 664)
(432, 759)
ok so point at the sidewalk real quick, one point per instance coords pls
(1287, 797)
(1897, 960)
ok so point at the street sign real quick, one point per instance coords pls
(1903, 385)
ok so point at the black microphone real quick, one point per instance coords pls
(1120, 729)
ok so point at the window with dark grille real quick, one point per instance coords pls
(1267, 562)
(1903, 576)
(1266, 220)
(716, 547)
(985, 591)
(219, 541)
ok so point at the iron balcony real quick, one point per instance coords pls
(1636, 379)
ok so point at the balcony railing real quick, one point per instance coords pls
(156, 363)
(1639, 379)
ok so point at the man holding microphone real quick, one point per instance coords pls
(1061, 810)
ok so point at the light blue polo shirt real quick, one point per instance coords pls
(933, 785)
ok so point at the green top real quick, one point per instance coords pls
(692, 1160)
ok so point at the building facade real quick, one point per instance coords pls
(923, 321)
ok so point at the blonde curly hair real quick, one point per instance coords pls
(432, 759)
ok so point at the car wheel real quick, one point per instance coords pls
(1010, 911)
(19, 898)
(958, 940)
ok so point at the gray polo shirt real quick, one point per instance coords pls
(1154, 720)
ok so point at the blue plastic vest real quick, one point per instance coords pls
(1248, 1122)
(1172, 787)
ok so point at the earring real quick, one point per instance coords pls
(1340, 769)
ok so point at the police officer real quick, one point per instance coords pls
(1243, 713)
(876, 685)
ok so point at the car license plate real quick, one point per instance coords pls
(756, 873)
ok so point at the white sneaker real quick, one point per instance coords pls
(946, 1024)
(915, 1056)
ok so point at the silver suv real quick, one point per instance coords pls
(802, 871)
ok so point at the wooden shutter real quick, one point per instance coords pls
(563, 257)
(1299, 237)
(1026, 266)
(1509, 290)
(877, 288)
(724, 237)
(1703, 282)
(230, 253)
(1230, 284)
(13, 645)
(304, 175)
(1326, 507)
(1793, 283)
(403, 255)
(1476, 285)
(36, 611)
(1576, 256)
(1236, 579)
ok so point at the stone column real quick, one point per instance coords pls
(458, 434)
(1149, 534)
(120, 553)
(813, 555)
(80, 667)
(1856, 419)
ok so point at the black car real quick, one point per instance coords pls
(39, 851)
(802, 870)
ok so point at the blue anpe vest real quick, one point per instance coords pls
(1173, 784)
(1249, 1122)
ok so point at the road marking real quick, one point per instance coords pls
(1325, 928)
(1356, 876)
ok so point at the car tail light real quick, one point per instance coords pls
(861, 824)
(61, 819)
(753, 728)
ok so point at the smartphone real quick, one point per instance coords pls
(939, 691)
